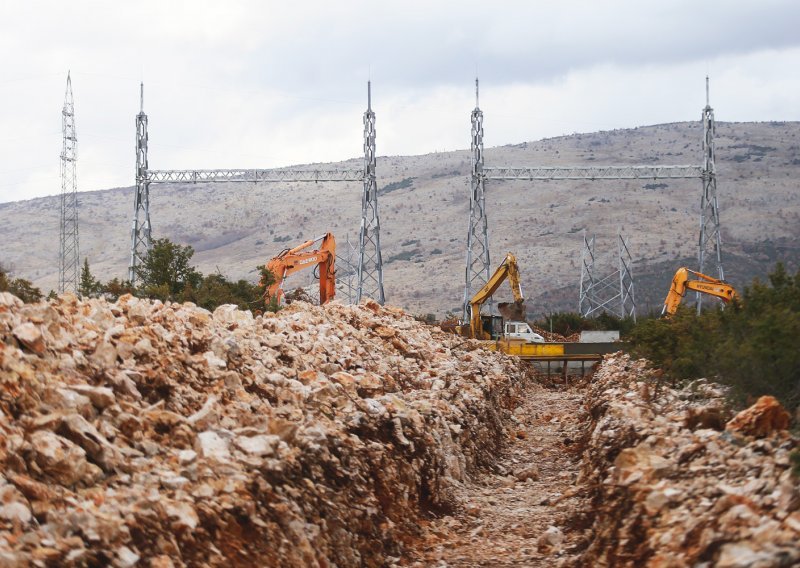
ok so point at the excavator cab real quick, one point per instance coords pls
(492, 326)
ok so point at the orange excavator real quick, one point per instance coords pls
(705, 284)
(289, 261)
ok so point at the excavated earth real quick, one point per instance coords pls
(138, 433)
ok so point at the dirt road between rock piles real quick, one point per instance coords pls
(519, 514)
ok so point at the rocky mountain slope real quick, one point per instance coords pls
(424, 205)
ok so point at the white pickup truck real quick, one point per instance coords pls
(521, 330)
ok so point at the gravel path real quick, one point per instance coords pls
(517, 514)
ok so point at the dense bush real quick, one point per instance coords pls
(567, 323)
(751, 345)
(166, 274)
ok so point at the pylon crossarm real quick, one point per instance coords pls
(593, 172)
(254, 175)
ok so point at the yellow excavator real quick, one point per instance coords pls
(511, 324)
(703, 283)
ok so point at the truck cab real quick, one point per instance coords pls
(497, 328)
(521, 330)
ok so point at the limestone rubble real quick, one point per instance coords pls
(672, 486)
(146, 434)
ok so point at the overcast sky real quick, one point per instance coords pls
(266, 84)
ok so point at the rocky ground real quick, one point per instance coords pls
(145, 434)
(519, 512)
(139, 433)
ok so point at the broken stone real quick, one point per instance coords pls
(183, 515)
(101, 397)
(261, 445)
(206, 416)
(762, 419)
(30, 336)
(312, 436)
(550, 539)
(212, 445)
(658, 463)
(62, 460)
(530, 472)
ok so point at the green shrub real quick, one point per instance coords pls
(750, 346)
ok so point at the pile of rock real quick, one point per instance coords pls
(674, 485)
(142, 433)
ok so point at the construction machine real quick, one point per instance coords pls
(510, 334)
(289, 261)
(510, 324)
(703, 283)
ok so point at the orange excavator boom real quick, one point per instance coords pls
(289, 261)
(703, 283)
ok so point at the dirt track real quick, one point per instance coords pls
(508, 513)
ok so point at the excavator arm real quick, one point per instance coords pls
(703, 283)
(508, 269)
(289, 261)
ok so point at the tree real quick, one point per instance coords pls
(21, 288)
(115, 288)
(88, 286)
(165, 272)
(750, 346)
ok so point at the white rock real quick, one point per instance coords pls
(740, 555)
(214, 361)
(183, 513)
(186, 457)
(30, 336)
(211, 445)
(231, 314)
(101, 397)
(10, 300)
(126, 558)
(16, 511)
(261, 445)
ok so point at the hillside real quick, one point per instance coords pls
(423, 205)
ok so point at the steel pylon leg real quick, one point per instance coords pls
(586, 302)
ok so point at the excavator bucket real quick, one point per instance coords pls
(512, 311)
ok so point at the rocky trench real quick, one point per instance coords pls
(138, 433)
(674, 479)
(146, 434)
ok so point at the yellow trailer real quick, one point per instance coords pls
(526, 350)
(553, 351)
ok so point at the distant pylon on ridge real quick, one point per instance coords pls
(69, 252)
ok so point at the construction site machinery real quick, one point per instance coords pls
(703, 284)
(289, 261)
(495, 327)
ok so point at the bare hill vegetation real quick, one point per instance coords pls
(423, 203)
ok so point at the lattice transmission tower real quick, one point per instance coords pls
(141, 232)
(478, 263)
(370, 263)
(710, 245)
(69, 251)
(606, 282)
